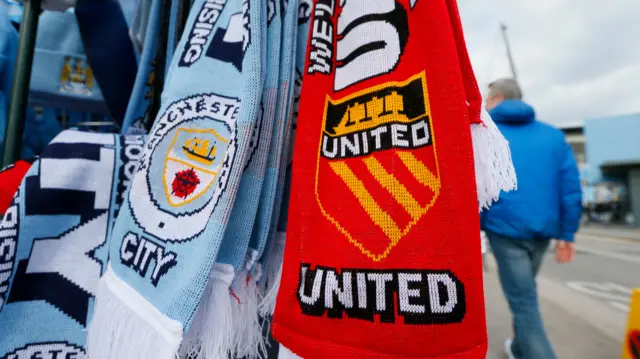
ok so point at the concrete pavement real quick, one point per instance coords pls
(615, 231)
(571, 336)
(584, 304)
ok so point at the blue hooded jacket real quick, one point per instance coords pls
(548, 201)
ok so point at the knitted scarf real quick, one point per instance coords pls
(140, 101)
(11, 177)
(53, 241)
(236, 307)
(382, 242)
(270, 200)
(274, 249)
(170, 229)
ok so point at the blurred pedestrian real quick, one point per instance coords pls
(520, 226)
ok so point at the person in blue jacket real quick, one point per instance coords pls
(520, 226)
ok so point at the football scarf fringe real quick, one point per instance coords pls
(492, 160)
(249, 341)
(271, 283)
(131, 328)
(205, 340)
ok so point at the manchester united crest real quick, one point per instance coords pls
(377, 172)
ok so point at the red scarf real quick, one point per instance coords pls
(10, 178)
(383, 254)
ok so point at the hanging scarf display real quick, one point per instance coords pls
(382, 241)
(262, 229)
(170, 228)
(364, 240)
(274, 249)
(236, 307)
(54, 240)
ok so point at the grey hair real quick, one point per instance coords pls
(506, 87)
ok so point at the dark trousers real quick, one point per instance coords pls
(518, 264)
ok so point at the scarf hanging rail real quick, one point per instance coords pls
(21, 81)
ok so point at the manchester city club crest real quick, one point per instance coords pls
(185, 167)
(377, 153)
(192, 164)
(76, 76)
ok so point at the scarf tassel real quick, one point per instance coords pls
(248, 340)
(273, 275)
(126, 325)
(492, 157)
(211, 333)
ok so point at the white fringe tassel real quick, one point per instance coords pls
(273, 275)
(494, 169)
(284, 353)
(247, 338)
(126, 325)
(210, 334)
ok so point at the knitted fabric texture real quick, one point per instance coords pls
(11, 177)
(304, 14)
(55, 236)
(238, 233)
(170, 229)
(383, 258)
(140, 101)
(240, 301)
(172, 34)
(271, 257)
(269, 200)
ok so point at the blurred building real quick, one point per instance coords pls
(608, 152)
(574, 134)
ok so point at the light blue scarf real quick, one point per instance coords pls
(53, 241)
(140, 101)
(238, 233)
(268, 200)
(273, 250)
(246, 338)
(172, 223)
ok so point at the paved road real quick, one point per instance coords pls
(584, 304)
(604, 269)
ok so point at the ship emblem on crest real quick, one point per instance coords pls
(192, 164)
(377, 173)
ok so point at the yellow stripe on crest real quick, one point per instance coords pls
(377, 215)
(397, 190)
(420, 171)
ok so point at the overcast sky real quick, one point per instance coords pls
(575, 59)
